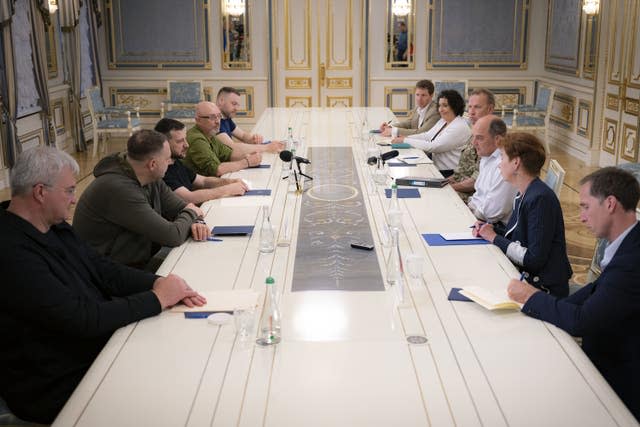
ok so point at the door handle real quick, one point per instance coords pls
(322, 73)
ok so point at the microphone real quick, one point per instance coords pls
(287, 156)
(389, 155)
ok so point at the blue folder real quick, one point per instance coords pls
(404, 193)
(401, 145)
(455, 295)
(258, 192)
(400, 164)
(260, 167)
(438, 240)
(232, 230)
(202, 314)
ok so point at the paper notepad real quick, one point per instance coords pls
(490, 300)
(465, 235)
(240, 202)
(222, 301)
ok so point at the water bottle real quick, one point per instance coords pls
(290, 147)
(270, 320)
(267, 235)
(394, 263)
(394, 215)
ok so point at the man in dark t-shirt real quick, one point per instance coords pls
(183, 181)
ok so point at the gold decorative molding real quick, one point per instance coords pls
(633, 62)
(345, 36)
(562, 110)
(298, 101)
(303, 10)
(340, 82)
(395, 93)
(297, 82)
(51, 48)
(86, 119)
(629, 149)
(631, 106)
(613, 102)
(616, 41)
(31, 139)
(59, 114)
(339, 101)
(609, 135)
(584, 118)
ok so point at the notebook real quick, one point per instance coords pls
(232, 230)
(490, 300)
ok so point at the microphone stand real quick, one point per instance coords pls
(301, 173)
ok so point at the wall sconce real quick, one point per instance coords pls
(53, 6)
(234, 7)
(591, 7)
(401, 7)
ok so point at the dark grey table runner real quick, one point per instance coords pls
(333, 215)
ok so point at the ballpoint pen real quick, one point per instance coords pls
(522, 276)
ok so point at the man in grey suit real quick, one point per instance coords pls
(423, 118)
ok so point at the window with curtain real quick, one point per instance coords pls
(28, 99)
(87, 62)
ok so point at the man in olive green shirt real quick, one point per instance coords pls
(481, 103)
(207, 155)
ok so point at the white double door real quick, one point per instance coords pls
(317, 51)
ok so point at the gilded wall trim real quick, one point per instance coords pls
(31, 139)
(399, 100)
(345, 35)
(584, 119)
(298, 101)
(297, 82)
(340, 82)
(59, 113)
(631, 106)
(292, 33)
(339, 101)
(562, 110)
(613, 102)
(617, 14)
(148, 99)
(629, 149)
(609, 135)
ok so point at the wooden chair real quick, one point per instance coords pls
(182, 97)
(110, 120)
(531, 117)
(555, 177)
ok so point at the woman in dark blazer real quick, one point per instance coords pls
(534, 237)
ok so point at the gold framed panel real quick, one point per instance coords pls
(51, 49)
(31, 139)
(633, 62)
(631, 106)
(609, 135)
(339, 82)
(339, 101)
(290, 35)
(297, 82)
(584, 118)
(591, 46)
(505, 96)
(236, 38)
(298, 101)
(59, 114)
(391, 61)
(86, 119)
(548, 58)
(616, 34)
(629, 147)
(148, 99)
(333, 62)
(562, 110)
(613, 102)
(393, 94)
(247, 104)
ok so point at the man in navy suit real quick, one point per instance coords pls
(605, 313)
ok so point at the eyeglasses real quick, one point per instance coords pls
(69, 191)
(212, 117)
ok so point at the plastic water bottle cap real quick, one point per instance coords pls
(270, 281)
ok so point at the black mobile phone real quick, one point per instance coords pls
(363, 246)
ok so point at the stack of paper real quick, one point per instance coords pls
(489, 299)
(222, 301)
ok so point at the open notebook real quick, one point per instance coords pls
(490, 300)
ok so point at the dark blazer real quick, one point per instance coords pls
(60, 303)
(606, 314)
(539, 227)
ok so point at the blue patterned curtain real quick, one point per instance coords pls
(8, 92)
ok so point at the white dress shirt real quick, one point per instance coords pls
(493, 199)
(422, 112)
(612, 247)
(447, 145)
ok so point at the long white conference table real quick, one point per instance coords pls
(344, 359)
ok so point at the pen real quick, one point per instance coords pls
(214, 239)
(522, 276)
